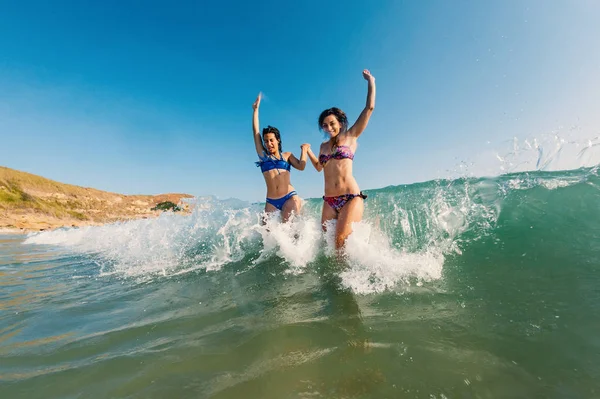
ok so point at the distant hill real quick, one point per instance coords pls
(32, 202)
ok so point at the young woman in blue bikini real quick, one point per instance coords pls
(275, 167)
(343, 199)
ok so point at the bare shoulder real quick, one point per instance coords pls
(324, 147)
(286, 155)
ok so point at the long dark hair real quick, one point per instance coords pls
(275, 131)
(341, 118)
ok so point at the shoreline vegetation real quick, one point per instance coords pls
(31, 203)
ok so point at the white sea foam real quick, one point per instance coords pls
(404, 238)
(219, 233)
(297, 241)
(374, 265)
(207, 239)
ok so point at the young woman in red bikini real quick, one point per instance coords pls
(343, 199)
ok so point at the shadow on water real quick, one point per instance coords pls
(313, 342)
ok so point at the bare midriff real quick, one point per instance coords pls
(278, 183)
(338, 178)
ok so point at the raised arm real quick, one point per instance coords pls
(299, 164)
(260, 149)
(363, 119)
(314, 160)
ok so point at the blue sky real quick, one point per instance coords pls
(152, 97)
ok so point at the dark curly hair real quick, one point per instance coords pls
(341, 118)
(275, 131)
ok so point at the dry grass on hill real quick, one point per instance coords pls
(32, 202)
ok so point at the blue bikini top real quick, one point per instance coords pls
(267, 163)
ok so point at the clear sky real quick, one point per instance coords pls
(150, 97)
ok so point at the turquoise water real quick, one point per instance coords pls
(468, 288)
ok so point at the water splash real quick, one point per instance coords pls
(407, 233)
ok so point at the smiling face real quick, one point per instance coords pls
(333, 121)
(271, 143)
(331, 125)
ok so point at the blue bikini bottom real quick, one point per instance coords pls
(278, 202)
